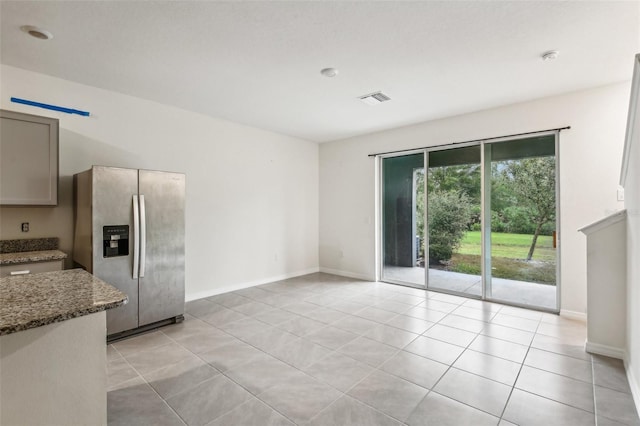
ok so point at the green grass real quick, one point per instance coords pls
(502, 267)
(508, 254)
(511, 246)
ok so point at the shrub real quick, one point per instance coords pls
(518, 220)
(449, 213)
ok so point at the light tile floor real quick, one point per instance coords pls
(325, 350)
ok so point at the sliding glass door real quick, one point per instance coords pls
(453, 206)
(403, 245)
(521, 228)
(480, 222)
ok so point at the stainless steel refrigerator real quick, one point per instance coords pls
(129, 232)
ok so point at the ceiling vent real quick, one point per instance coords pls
(374, 98)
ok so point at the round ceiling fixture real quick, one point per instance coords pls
(329, 72)
(550, 55)
(37, 32)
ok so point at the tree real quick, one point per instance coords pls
(449, 213)
(533, 181)
(462, 183)
(463, 178)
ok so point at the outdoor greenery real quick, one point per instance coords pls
(504, 267)
(522, 218)
(533, 183)
(448, 213)
(512, 246)
(509, 252)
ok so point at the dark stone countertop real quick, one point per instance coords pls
(31, 256)
(28, 244)
(30, 301)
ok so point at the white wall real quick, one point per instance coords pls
(252, 195)
(590, 155)
(632, 203)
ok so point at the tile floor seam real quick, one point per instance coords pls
(493, 355)
(165, 366)
(505, 340)
(212, 326)
(156, 392)
(504, 409)
(271, 356)
(555, 400)
(562, 375)
(259, 399)
(464, 403)
(371, 406)
(558, 402)
(449, 367)
(164, 401)
(355, 399)
(454, 344)
(593, 388)
(373, 370)
(429, 391)
(130, 366)
(545, 397)
(559, 353)
(342, 394)
(257, 395)
(339, 347)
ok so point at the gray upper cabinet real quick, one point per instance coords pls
(28, 160)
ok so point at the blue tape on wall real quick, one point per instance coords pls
(51, 107)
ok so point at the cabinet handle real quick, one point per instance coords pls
(26, 271)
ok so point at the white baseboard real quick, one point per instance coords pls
(633, 383)
(346, 274)
(574, 315)
(239, 286)
(610, 351)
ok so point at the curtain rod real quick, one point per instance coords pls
(474, 140)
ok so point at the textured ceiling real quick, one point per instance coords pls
(258, 63)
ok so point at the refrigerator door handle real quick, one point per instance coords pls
(143, 236)
(136, 236)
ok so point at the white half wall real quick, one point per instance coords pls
(590, 155)
(252, 195)
(607, 285)
(632, 203)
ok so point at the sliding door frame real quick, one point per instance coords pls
(486, 226)
(380, 214)
(484, 212)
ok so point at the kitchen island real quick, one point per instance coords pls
(52, 348)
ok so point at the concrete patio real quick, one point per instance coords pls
(510, 291)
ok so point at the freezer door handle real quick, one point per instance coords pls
(143, 236)
(136, 236)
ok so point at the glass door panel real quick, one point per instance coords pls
(453, 207)
(521, 222)
(403, 219)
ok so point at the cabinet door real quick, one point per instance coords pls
(30, 268)
(28, 159)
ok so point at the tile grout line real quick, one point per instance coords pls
(449, 367)
(504, 409)
(378, 369)
(223, 373)
(151, 387)
(243, 364)
(593, 387)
